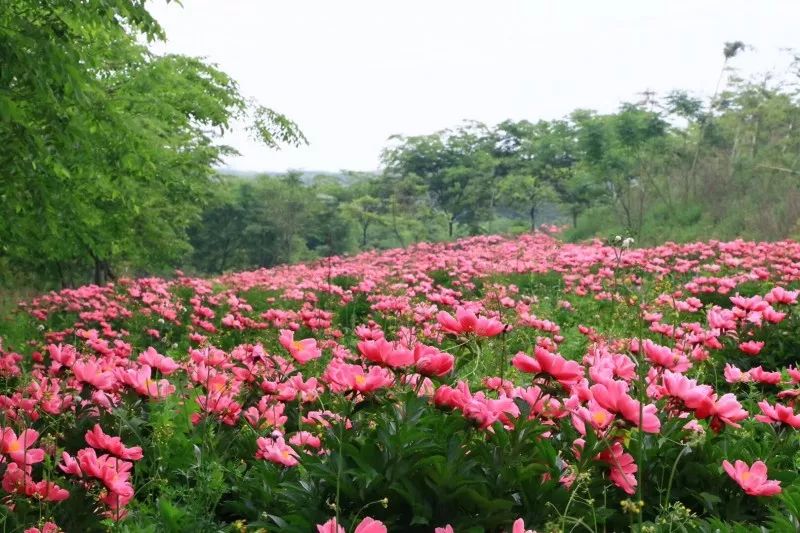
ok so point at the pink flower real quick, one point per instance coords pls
(446, 396)
(330, 527)
(734, 374)
(779, 414)
(565, 372)
(141, 381)
(725, 410)
(446, 529)
(486, 411)
(303, 351)
(18, 480)
(772, 316)
(751, 347)
(114, 473)
(19, 448)
(370, 525)
(69, 465)
(62, 355)
(762, 376)
(163, 364)
(276, 451)
(97, 439)
(519, 527)
(49, 491)
(90, 372)
(595, 415)
(47, 527)
(752, 479)
(304, 438)
(721, 319)
(613, 396)
(623, 467)
(345, 376)
(665, 357)
(432, 362)
(466, 321)
(386, 353)
(779, 295)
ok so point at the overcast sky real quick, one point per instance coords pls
(352, 73)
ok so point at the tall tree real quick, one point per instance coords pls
(534, 162)
(107, 150)
(456, 166)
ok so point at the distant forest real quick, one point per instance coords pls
(674, 167)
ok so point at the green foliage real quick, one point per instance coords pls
(455, 167)
(107, 149)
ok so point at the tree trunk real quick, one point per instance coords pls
(574, 218)
(98, 271)
(532, 214)
(394, 224)
(109, 274)
(450, 228)
(61, 275)
(364, 235)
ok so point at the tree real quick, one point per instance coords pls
(107, 149)
(455, 166)
(365, 210)
(526, 192)
(217, 237)
(623, 152)
(534, 161)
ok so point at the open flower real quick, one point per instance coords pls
(466, 321)
(751, 347)
(613, 396)
(752, 479)
(623, 468)
(432, 362)
(779, 414)
(163, 364)
(303, 350)
(276, 451)
(565, 372)
(386, 353)
(19, 448)
(97, 439)
(368, 525)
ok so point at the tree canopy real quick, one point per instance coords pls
(108, 150)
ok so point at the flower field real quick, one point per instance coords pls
(489, 384)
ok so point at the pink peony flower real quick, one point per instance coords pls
(386, 353)
(370, 525)
(623, 467)
(565, 372)
(163, 364)
(97, 439)
(779, 414)
(466, 321)
(751, 347)
(303, 351)
(519, 527)
(19, 448)
(752, 479)
(432, 362)
(276, 451)
(613, 396)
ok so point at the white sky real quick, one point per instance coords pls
(352, 73)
